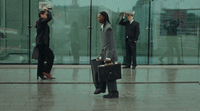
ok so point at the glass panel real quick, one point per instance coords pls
(142, 16)
(69, 36)
(34, 17)
(175, 32)
(115, 9)
(70, 39)
(14, 35)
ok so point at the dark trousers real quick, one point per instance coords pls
(172, 43)
(131, 53)
(112, 85)
(45, 54)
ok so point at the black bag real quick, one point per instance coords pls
(1, 35)
(35, 54)
(95, 64)
(94, 67)
(109, 72)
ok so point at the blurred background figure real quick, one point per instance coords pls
(74, 40)
(172, 41)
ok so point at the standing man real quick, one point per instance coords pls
(131, 34)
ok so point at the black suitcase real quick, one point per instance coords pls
(109, 72)
(94, 67)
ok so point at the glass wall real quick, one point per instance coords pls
(175, 32)
(14, 31)
(169, 30)
(115, 10)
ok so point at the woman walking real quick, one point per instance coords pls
(42, 43)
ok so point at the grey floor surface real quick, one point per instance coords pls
(147, 88)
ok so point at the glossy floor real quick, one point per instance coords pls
(147, 88)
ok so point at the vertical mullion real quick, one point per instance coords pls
(90, 29)
(5, 26)
(29, 27)
(149, 30)
(198, 27)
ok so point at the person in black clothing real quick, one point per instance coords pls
(172, 41)
(131, 37)
(42, 43)
(75, 43)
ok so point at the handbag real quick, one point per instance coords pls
(94, 67)
(35, 54)
(109, 72)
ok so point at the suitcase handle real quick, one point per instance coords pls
(109, 64)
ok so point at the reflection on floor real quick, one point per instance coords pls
(147, 88)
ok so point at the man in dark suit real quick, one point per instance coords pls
(131, 34)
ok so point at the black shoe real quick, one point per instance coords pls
(133, 67)
(98, 91)
(112, 95)
(125, 67)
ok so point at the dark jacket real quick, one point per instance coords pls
(171, 27)
(43, 30)
(132, 30)
(108, 43)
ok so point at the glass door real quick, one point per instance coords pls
(69, 30)
(14, 31)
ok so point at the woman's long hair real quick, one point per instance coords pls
(41, 12)
(106, 18)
